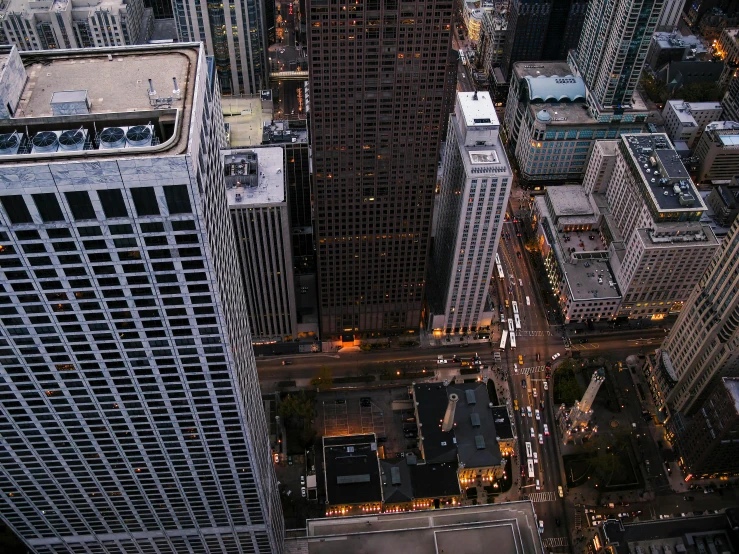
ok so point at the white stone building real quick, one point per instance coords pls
(685, 121)
(132, 419)
(475, 185)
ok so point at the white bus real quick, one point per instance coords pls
(515, 307)
(513, 339)
(531, 468)
(528, 301)
(503, 339)
(517, 320)
(528, 450)
(511, 325)
(499, 266)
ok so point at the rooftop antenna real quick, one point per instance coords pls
(475, 96)
(152, 92)
(176, 90)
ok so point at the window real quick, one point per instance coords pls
(113, 204)
(60, 233)
(154, 227)
(79, 203)
(185, 225)
(48, 207)
(178, 199)
(16, 209)
(145, 201)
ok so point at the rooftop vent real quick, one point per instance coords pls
(139, 136)
(395, 476)
(480, 442)
(113, 137)
(72, 140)
(44, 142)
(10, 143)
(470, 396)
(475, 419)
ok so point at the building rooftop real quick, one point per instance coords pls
(20, 6)
(732, 385)
(661, 172)
(255, 176)
(569, 200)
(538, 69)
(477, 108)
(97, 88)
(352, 469)
(396, 481)
(564, 113)
(510, 526)
(437, 445)
(555, 88)
(723, 133)
(474, 428)
(682, 112)
(502, 422)
(434, 480)
(676, 40)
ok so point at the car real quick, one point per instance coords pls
(541, 405)
(548, 365)
(502, 317)
(538, 356)
(515, 368)
(538, 415)
(302, 492)
(302, 479)
(518, 254)
(561, 495)
(546, 430)
(535, 393)
(289, 460)
(528, 412)
(533, 433)
(520, 281)
(536, 457)
(538, 487)
(520, 359)
(557, 355)
(515, 404)
(441, 360)
(546, 385)
(541, 438)
(523, 383)
(286, 362)
(523, 414)
(707, 491)
(688, 498)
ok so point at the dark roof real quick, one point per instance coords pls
(438, 446)
(352, 469)
(476, 437)
(502, 422)
(434, 480)
(396, 481)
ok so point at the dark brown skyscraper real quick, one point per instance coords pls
(378, 84)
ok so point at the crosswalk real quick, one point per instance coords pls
(542, 496)
(578, 519)
(522, 333)
(555, 542)
(530, 370)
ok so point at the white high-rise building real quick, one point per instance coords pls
(258, 203)
(670, 16)
(234, 34)
(52, 24)
(131, 416)
(476, 181)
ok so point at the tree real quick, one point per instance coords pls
(699, 92)
(324, 379)
(532, 245)
(295, 409)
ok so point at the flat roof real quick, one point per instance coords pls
(502, 420)
(682, 111)
(396, 481)
(270, 177)
(474, 427)
(352, 469)
(537, 69)
(660, 169)
(510, 526)
(569, 200)
(477, 108)
(117, 85)
(565, 113)
(438, 445)
(434, 480)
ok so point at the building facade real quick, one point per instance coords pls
(493, 34)
(670, 16)
(257, 201)
(708, 443)
(376, 121)
(730, 101)
(475, 185)
(703, 345)
(612, 50)
(718, 152)
(45, 25)
(234, 34)
(685, 121)
(131, 415)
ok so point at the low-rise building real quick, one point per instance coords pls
(52, 24)
(718, 152)
(549, 126)
(708, 442)
(352, 474)
(685, 121)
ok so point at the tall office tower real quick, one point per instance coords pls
(131, 415)
(542, 30)
(379, 84)
(475, 187)
(258, 205)
(161, 9)
(234, 34)
(703, 345)
(612, 49)
(42, 25)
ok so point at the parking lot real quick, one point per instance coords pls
(353, 412)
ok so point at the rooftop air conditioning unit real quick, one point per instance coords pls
(10, 143)
(139, 136)
(45, 142)
(113, 137)
(72, 140)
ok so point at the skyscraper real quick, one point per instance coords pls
(234, 34)
(378, 83)
(612, 49)
(703, 345)
(474, 194)
(130, 414)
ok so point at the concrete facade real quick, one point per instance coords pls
(718, 152)
(685, 121)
